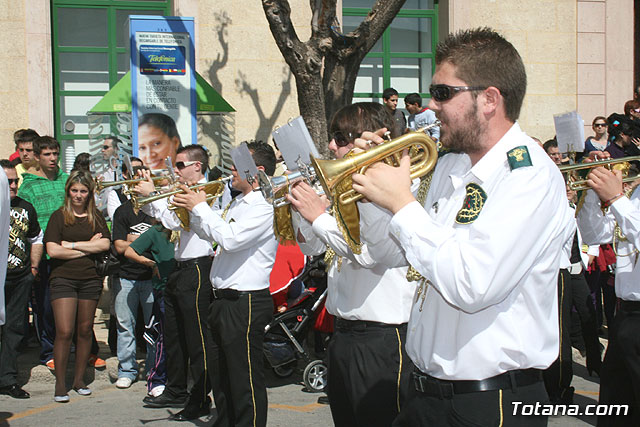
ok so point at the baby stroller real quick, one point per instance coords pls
(285, 335)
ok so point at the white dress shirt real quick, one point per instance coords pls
(246, 243)
(491, 305)
(358, 287)
(189, 245)
(598, 229)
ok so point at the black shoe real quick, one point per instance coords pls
(14, 391)
(164, 401)
(188, 414)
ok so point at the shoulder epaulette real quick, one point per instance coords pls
(519, 157)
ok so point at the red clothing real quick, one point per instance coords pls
(288, 265)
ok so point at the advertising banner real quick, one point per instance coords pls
(163, 85)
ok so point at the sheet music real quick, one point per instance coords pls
(569, 132)
(243, 162)
(295, 143)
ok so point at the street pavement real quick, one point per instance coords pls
(289, 403)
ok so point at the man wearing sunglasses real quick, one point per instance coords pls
(487, 240)
(25, 251)
(186, 298)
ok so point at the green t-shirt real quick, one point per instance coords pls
(156, 241)
(45, 195)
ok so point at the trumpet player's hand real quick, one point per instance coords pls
(189, 199)
(304, 199)
(607, 184)
(368, 139)
(144, 188)
(596, 155)
(386, 186)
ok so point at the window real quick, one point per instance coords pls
(403, 58)
(90, 54)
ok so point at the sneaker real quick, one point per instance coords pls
(123, 382)
(156, 391)
(50, 365)
(96, 362)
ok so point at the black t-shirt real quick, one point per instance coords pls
(125, 222)
(83, 268)
(23, 226)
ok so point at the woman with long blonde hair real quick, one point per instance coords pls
(76, 233)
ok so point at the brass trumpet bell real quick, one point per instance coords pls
(623, 164)
(423, 151)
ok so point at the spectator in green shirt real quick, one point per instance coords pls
(156, 241)
(46, 193)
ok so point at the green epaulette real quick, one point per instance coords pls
(519, 157)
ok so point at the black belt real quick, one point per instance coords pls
(193, 261)
(629, 305)
(234, 294)
(445, 389)
(361, 325)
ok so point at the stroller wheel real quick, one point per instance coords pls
(285, 370)
(315, 376)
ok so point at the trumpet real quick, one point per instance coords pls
(270, 187)
(101, 185)
(331, 173)
(623, 164)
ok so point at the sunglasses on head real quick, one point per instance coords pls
(182, 165)
(342, 139)
(444, 92)
(12, 180)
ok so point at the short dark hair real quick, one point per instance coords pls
(263, 155)
(413, 98)
(354, 119)
(45, 142)
(632, 104)
(484, 58)
(24, 135)
(389, 92)
(161, 121)
(131, 159)
(198, 153)
(6, 164)
(596, 118)
(115, 141)
(550, 144)
(82, 162)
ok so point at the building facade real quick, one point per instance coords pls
(62, 56)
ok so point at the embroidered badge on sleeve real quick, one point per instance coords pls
(472, 205)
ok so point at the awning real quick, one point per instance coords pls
(118, 99)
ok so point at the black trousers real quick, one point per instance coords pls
(486, 408)
(186, 335)
(16, 294)
(369, 373)
(237, 374)
(620, 379)
(573, 291)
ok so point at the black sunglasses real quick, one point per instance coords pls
(106, 147)
(600, 125)
(444, 92)
(342, 140)
(12, 180)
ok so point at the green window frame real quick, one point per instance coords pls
(387, 54)
(112, 50)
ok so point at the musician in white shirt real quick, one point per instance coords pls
(369, 371)
(242, 305)
(186, 297)
(620, 224)
(488, 242)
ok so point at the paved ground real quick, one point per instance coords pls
(289, 404)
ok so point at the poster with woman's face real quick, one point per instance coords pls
(158, 138)
(163, 87)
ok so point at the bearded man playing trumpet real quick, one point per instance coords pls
(186, 297)
(487, 240)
